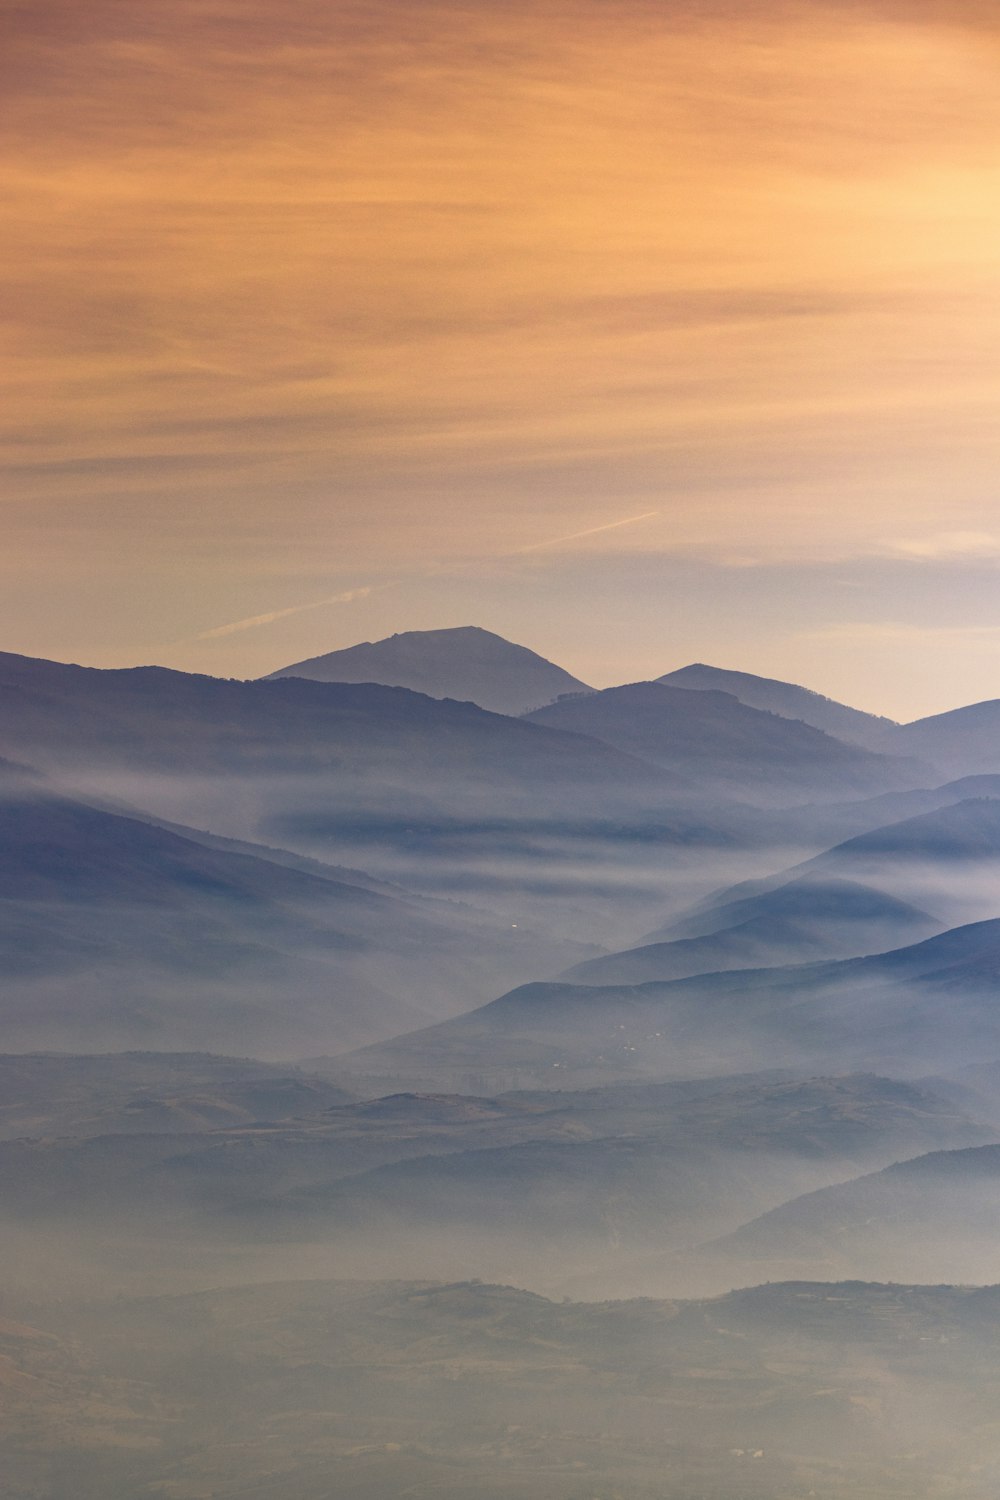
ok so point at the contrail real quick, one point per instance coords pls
(281, 614)
(591, 531)
(362, 593)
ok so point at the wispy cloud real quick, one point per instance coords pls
(575, 536)
(894, 630)
(348, 597)
(947, 544)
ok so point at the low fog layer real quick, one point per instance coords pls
(366, 1051)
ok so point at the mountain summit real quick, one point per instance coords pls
(467, 663)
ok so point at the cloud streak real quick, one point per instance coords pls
(948, 545)
(332, 292)
(575, 536)
(253, 621)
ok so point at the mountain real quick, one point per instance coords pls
(119, 933)
(802, 921)
(962, 742)
(718, 742)
(46, 1094)
(838, 821)
(537, 1187)
(933, 1218)
(914, 1009)
(947, 860)
(537, 825)
(64, 717)
(790, 702)
(465, 663)
(613, 1179)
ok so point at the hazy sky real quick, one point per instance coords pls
(330, 320)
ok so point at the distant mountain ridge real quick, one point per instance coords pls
(798, 922)
(911, 1008)
(466, 662)
(789, 701)
(962, 742)
(714, 739)
(115, 931)
(915, 1219)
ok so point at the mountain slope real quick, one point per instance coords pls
(720, 743)
(465, 663)
(962, 742)
(933, 1218)
(62, 716)
(913, 1009)
(790, 702)
(116, 932)
(800, 922)
(259, 749)
(947, 861)
(540, 826)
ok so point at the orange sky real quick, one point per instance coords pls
(367, 307)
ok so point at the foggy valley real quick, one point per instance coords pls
(402, 1097)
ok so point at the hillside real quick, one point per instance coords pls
(962, 742)
(718, 742)
(119, 933)
(945, 860)
(932, 1217)
(802, 921)
(790, 702)
(918, 1008)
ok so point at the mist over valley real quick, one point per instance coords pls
(547, 1093)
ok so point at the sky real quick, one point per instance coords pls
(641, 333)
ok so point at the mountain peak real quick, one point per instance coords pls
(463, 661)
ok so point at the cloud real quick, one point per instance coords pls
(886, 631)
(348, 597)
(575, 536)
(947, 545)
(451, 264)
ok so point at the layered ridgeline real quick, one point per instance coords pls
(116, 932)
(466, 663)
(719, 743)
(552, 1189)
(399, 746)
(961, 742)
(933, 1218)
(904, 1011)
(538, 824)
(856, 898)
(808, 918)
(789, 702)
(947, 859)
